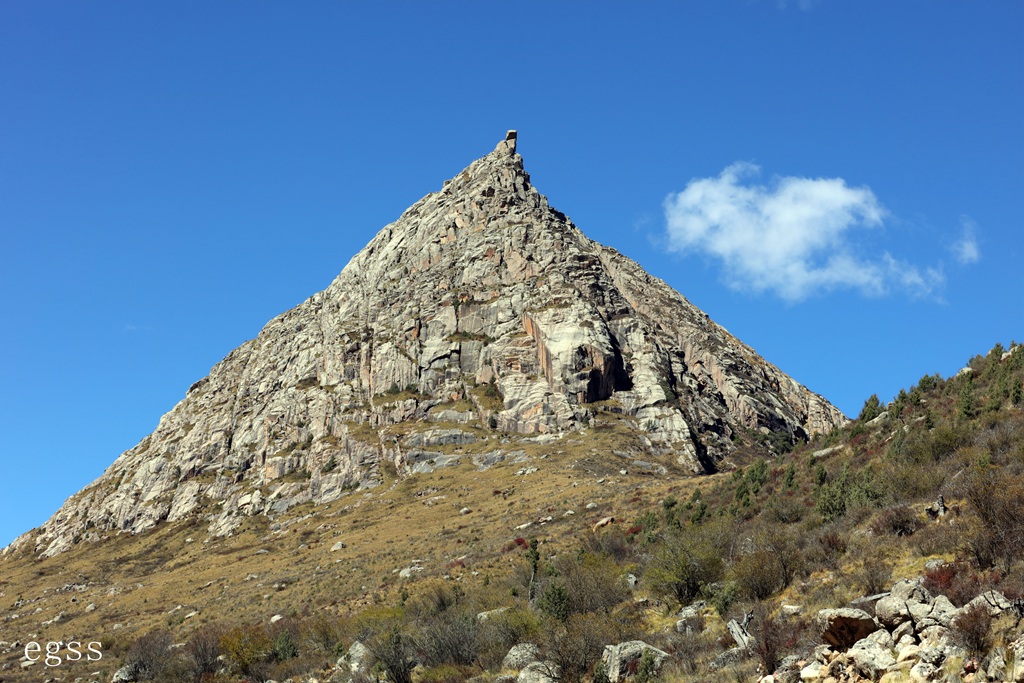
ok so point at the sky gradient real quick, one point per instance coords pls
(838, 184)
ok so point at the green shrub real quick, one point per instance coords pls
(574, 646)
(203, 648)
(758, 575)
(686, 561)
(646, 668)
(450, 638)
(284, 646)
(501, 631)
(152, 657)
(593, 583)
(246, 648)
(898, 520)
(395, 651)
(874, 575)
(722, 595)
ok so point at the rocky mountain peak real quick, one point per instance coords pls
(481, 318)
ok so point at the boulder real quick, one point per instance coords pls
(521, 656)
(843, 627)
(943, 611)
(691, 618)
(811, 672)
(730, 657)
(907, 600)
(484, 616)
(539, 672)
(891, 611)
(996, 670)
(910, 590)
(357, 661)
(129, 673)
(1016, 648)
(617, 659)
(872, 656)
(994, 601)
(923, 671)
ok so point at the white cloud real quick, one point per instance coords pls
(792, 238)
(966, 249)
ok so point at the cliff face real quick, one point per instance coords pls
(480, 311)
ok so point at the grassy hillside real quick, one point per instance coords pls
(777, 537)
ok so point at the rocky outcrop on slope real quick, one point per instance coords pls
(912, 636)
(481, 309)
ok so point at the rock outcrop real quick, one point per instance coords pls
(481, 309)
(618, 660)
(912, 636)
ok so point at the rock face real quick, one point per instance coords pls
(480, 306)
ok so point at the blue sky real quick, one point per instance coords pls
(839, 184)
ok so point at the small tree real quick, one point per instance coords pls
(872, 409)
(966, 405)
(533, 557)
(247, 649)
(554, 601)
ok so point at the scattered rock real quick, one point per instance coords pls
(409, 571)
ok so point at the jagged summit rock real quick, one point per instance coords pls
(481, 310)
